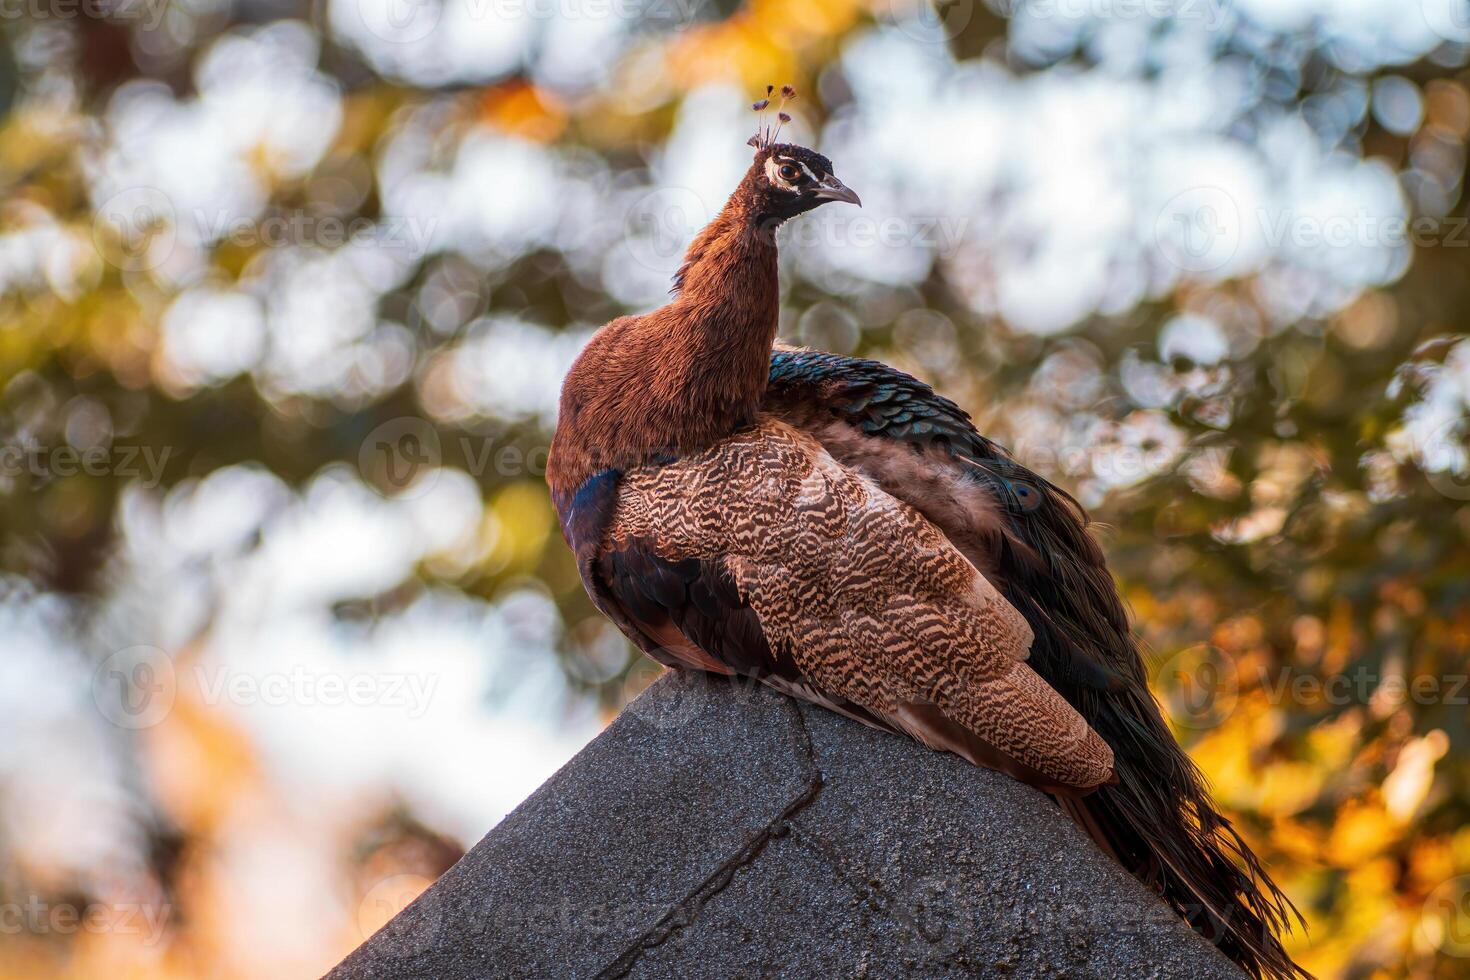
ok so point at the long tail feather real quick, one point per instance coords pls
(1158, 819)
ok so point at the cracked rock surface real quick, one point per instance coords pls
(717, 829)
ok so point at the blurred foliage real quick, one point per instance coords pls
(1295, 554)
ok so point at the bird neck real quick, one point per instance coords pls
(736, 249)
(685, 376)
(715, 338)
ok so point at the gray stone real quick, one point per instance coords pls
(718, 829)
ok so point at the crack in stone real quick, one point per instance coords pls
(683, 913)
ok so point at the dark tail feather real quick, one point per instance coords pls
(1194, 859)
(1199, 867)
(1157, 820)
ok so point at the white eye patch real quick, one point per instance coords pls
(773, 172)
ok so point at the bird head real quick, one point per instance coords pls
(787, 180)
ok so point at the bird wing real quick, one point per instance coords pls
(1027, 536)
(765, 557)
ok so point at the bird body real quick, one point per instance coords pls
(839, 531)
(851, 598)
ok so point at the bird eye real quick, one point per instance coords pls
(789, 174)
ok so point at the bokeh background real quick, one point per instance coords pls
(287, 291)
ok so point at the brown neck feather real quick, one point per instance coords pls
(681, 378)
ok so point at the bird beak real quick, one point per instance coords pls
(833, 189)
